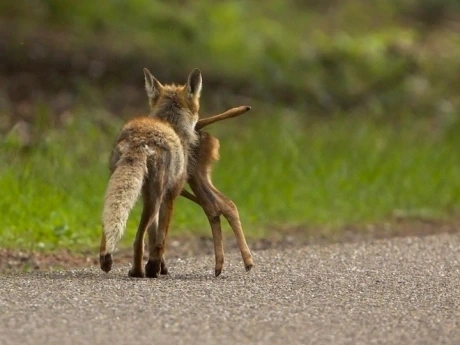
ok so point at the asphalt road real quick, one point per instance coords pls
(399, 291)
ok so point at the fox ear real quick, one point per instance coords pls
(152, 85)
(194, 83)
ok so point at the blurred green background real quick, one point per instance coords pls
(355, 110)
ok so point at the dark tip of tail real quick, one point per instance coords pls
(248, 108)
(217, 272)
(106, 262)
(249, 267)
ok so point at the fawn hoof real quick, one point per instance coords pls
(217, 273)
(152, 268)
(105, 261)
(248, 262)
(163, 268)
(249, 267)
(135, 274)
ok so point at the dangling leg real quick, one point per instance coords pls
(205, 198)
(230, 212)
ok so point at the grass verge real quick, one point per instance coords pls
(281, 169)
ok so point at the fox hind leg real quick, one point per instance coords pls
(136, 270)
(166, 213)
(157, 239)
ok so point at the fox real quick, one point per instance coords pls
(213, 202)
(151, 157)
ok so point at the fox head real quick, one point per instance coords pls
(177, 104)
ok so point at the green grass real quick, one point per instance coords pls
(281, 170)
(382, 62)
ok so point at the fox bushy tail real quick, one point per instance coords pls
(123, 189)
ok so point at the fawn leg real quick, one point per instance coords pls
(225, 115)
(186, 194)
(206, 200)
(216, 229)
(230, 212)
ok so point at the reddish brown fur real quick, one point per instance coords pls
(151, 156)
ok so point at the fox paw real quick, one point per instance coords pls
(136, 273)
(152, 268)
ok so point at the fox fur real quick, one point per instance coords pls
(151, 157)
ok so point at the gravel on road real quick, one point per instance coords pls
(392, 291)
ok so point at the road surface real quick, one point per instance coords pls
(397, 291)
